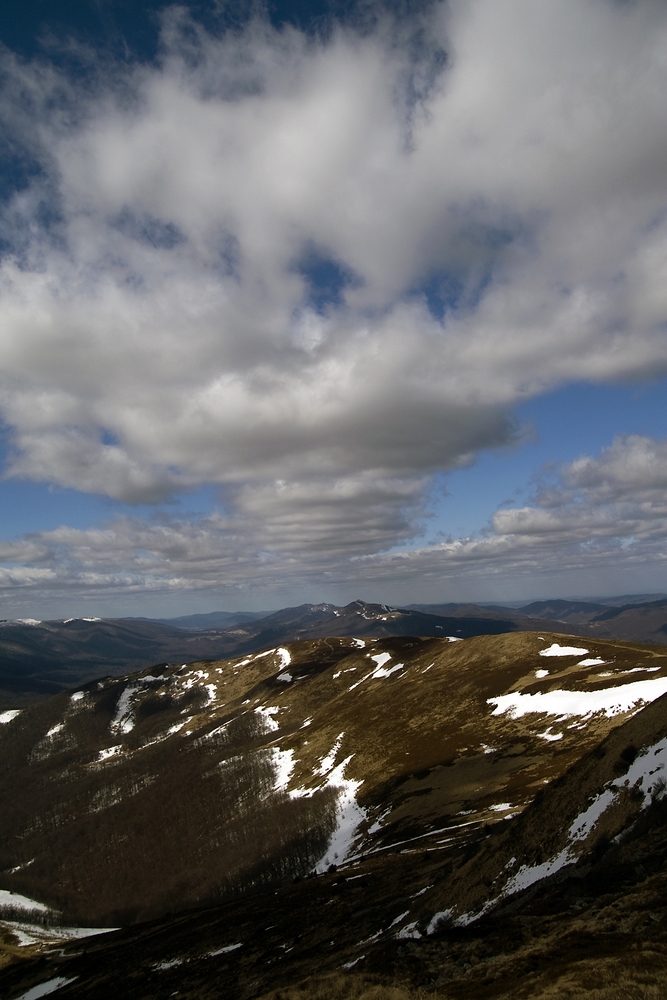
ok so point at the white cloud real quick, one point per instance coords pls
(159, 330)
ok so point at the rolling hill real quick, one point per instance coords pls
(38, 659)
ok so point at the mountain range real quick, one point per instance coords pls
(38, 659)
(383, 817)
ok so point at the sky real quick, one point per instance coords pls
(308, 302)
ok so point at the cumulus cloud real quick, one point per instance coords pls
(332, 264)
(604, 516)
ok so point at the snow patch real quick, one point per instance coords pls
(283, 762)
(556, 650)
(213, 732)
(541, 673)
(550, 737)
(26, 864)
(592, 661)
(170, 964)
(454, 638)
(328, 762)
(77, 696)
(611, 701)
(30, 934)
(398, 919)
(225, 950)
(438, 918)
(644, 774)
(381, 659)
(18, 902)
(350, 815)
(377, 825)
(44, 989)
(109, 752)
(409, 931)
(350, 965)
(285, 657)
(359, 643)
(381, 672)
(422, 891)
(123, 720)
(266, 714)
(8, 716)
(285, 677)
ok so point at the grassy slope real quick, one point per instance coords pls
(440, 714)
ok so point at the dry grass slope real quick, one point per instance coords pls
(192, 789)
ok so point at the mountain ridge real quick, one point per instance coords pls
(38, 659)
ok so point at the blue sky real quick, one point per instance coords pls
(308, 302)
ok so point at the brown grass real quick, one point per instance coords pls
(338, 986)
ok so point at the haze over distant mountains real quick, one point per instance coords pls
(38, 659)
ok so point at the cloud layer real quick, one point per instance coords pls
(318, 272)
(592, 524)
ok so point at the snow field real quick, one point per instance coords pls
(349, 816)
(563, 703)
